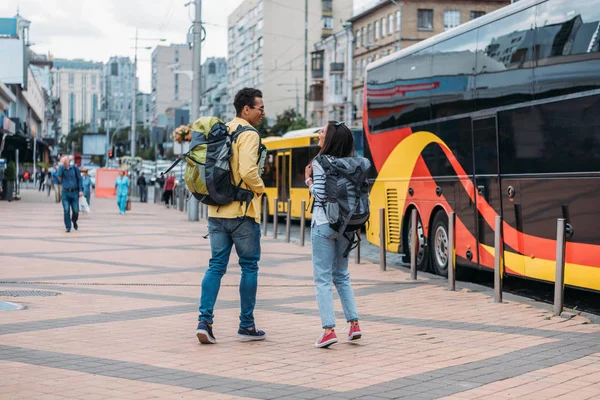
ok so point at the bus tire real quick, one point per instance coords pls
(423, 253)
(438, 243)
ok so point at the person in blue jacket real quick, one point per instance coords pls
(122, 191)
(70, 180)
(87, 183)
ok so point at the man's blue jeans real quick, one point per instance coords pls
(70, 200)
(224, 233)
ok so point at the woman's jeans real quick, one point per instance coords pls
(244, 234)
(329, 266)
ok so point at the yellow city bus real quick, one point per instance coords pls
(287, 157)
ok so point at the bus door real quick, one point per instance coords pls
(283, 179)
(487, 184)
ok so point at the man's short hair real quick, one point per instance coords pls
(245, 97)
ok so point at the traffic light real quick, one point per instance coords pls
(111, 153)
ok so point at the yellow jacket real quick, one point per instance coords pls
(244, 166)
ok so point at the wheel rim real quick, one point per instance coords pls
(441, 246)
(421, 237)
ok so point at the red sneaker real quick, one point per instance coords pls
(326, 340)
(354, 332)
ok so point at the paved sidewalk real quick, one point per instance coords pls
(123, 325)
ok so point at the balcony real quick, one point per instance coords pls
(327, 6)
(316, 92)
(336, 68)
(317, 64)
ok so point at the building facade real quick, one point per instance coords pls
(389, 26)
(171, 79)
(143, 110)
(214, 97)
(117, 90)
(78, 86)
(266, 47)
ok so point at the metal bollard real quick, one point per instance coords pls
(302, 222)
(181, 199)
(265, 212)
(415, 244)
(498, 261)
(357, 249)
(451, 252)
(382, 240)
(288, 221)
(559, 279)
(275, 209)
(185, 200)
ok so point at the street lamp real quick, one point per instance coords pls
(134, 99)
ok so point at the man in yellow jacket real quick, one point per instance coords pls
(237, 224)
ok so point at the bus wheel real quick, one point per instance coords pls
(422, 252)
(438, 243)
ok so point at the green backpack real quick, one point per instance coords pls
(208, 173)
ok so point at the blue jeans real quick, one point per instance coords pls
(330, 266)
(224, 233)
(70, 200)
(122, 202)
(88, 196)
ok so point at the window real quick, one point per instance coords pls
(93, 81)
(399, 20)
(451, 19)
(176, 86)
(71, 79)
(259, 24)
(357, 70)
(383, 27)
(425, 20)
(357, 38)
(363, 38)
(260, 43)
(505, 75)
(338, 85)
(300, 158)
(568, 32)
(477, 14)
(176, 56)
(377, 30)
(269, 174)
(327, 22)
(370, 34)
(212, 68)
(390, 24)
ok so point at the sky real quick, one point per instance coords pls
(98, 29)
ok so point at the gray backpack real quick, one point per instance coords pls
(347, 188)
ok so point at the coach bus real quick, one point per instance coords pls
(286, 160)
(497, 117)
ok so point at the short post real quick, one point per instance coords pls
(498, 261)
(414, 244)
(357, 249)
(302, 221)
(181, 198)
(265, 212)
(451, 252)
(275, 209)
(382, 240)
(185, 200)
(559, 279)
(288, 221)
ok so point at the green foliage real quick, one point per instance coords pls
(288, 121)
(263, 127)
(10, 173)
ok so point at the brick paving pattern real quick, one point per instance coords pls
(123, 325)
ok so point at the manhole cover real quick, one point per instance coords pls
(26, 293)
(8, 306)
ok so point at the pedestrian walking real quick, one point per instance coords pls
(48, 182)
(169, 187)
(69, 177)
(88, 185)
(143, 187)
(41, 181)
(237, 224)
(330, 264)
(122, 191)
(57, 185)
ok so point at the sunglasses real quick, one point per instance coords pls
(338, 123)
(259, 108)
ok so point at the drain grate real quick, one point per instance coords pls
(26, 293)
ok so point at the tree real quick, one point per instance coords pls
(74, 140)
(287, 121)
(263, 127)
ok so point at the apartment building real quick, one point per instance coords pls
(78, 86)
(117, 90)
(266, 42)
(171, 79)
(389, 26)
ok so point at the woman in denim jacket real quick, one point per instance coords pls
(329, 264)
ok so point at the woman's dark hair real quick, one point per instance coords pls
(339, 141)
(245, 97)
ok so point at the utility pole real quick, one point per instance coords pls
(134, 99)
(305, 59)
(196, 90)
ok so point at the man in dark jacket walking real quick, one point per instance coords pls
(72, 189)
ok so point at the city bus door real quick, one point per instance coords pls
(283, 179)
(487, 185)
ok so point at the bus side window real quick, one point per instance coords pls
(269, 175)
